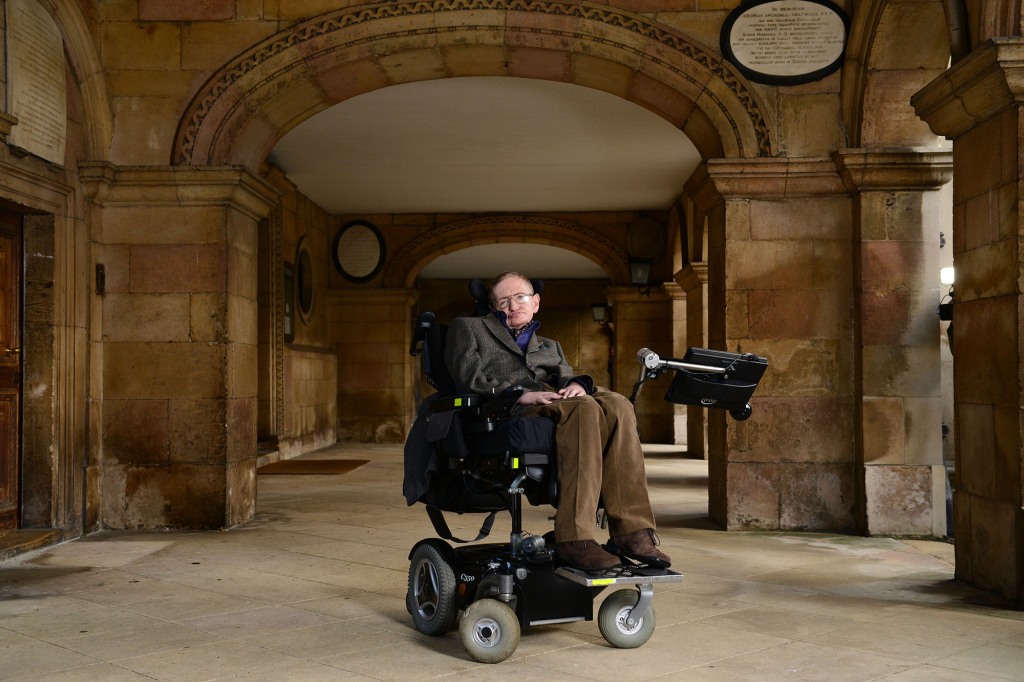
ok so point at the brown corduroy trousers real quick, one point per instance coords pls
(599, 456)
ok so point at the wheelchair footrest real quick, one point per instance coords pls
(621, 575)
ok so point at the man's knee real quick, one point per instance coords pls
(585, 406)
(615, 404)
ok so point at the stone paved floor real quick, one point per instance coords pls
(313, 587)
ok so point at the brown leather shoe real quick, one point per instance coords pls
(640, 546)
(586, 555)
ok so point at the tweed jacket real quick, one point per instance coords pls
(482, 357)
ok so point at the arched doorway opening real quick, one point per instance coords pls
(245, 109)
(573, 282)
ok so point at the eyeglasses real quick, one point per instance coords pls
(518, 299)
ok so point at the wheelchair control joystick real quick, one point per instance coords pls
(532, 544)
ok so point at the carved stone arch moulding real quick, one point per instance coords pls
(877, 38)
(414, 256)
(243, 109)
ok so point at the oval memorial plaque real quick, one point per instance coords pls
(785, 42)
(358, 251)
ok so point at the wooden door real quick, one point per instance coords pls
(10, 368)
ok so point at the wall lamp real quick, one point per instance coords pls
(947, 277)
(600, 313)
(640, 274)
(945, 311)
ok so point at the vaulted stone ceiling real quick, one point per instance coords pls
(465, 145)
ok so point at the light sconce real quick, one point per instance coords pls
(600, 313)
(640, 274)
(946, 306)
(645, 244)
(945, 310)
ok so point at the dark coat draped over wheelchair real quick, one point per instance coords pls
(468, 347)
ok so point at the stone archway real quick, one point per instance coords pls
(244, 108)
(238, 115)
(87, 70)
(882, 72)
(403, 269)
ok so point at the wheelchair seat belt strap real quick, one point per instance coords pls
(441, 526)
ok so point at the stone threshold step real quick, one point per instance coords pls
(16, 542)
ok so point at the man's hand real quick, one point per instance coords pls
(538, 398)
(572, 390)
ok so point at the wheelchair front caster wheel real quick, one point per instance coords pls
(431, 597)
(616, 625)
(489, 631)
(742, 415)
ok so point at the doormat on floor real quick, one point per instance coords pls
(312, 466)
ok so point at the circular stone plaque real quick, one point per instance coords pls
(785, 42)
(358, 251)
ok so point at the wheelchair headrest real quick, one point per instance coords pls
(478, 290)
(481, 304)
(428, 339)
(419, 332)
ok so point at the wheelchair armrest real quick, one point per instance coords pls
(456, 402)
(482, 406)
(501, 405)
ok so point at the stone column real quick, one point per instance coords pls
(371, 331)
(643, 321)
(174, 348)
(977, 104)
(693, 279)
(680, 342)
(779, 285)
(896, 331)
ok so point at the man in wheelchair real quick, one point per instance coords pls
(599, 458)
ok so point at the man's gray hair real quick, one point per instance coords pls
(507, 275)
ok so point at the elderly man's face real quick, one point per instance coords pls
(519, 314)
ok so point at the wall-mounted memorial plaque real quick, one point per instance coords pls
(785, 42)
(37, 85)
(358, 251)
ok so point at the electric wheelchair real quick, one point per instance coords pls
(467, 454)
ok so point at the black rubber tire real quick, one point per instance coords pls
(611, 621)
(431, 597)
(489, 631)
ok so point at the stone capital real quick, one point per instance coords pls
(673, 291)
(692, 276)
(914, 168)
(724, 179)
(988, 81)
(7, 121)
(108, 184)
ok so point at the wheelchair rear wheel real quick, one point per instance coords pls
(431, 598)
(613, 620)
(489, 631)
